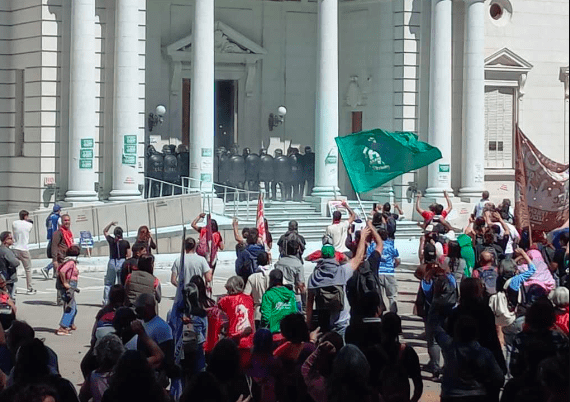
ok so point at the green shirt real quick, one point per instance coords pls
(277, 303)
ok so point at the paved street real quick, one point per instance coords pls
(42, 313)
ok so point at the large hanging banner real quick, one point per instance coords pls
(541, 190)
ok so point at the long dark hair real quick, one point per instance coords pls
(203, 298)
(193, 305)
(134, 380)
(143, 234)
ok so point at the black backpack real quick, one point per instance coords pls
(364, 279)
(391, 226)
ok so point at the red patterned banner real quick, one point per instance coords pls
(541, 191)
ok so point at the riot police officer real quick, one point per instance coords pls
(308, 163)
(282, 169)
(237, 169)
(296, 178)
(221, 170)
(252, 166)
(183, 163)
(266, 173)
(171, 174)
(155, 167)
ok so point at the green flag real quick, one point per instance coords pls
(375, 157)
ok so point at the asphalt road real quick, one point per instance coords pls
(40, 311)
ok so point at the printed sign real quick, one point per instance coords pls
(444, 168)
(129, 159)
(130, 139)
(87, 143)
(85, 239)
(86, 153)
(130, 149)
(207, 177)
(85, 163)
(207, 152)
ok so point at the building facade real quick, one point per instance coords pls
(79, 79)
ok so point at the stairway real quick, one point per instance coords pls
(311, 224)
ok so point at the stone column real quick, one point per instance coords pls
(83, 133)
(326, 151)
(439, 172)
(202, 96)
(473, 145)
(126, 118)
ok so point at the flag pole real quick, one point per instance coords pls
(361, 207)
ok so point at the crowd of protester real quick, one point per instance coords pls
(494, 302)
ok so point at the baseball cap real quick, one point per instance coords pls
(328, 251)
(56, 208)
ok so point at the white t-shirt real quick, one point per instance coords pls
(338, 233)
(513, 234)
(21, 231)
(256, 287)
(194, 264)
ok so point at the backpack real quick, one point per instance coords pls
(245, 264)
(330, 298)
(504, 316)
(391, 226)
(203, 248)
(394, 383)
(444, 290)
(363, 280)
(489, 279)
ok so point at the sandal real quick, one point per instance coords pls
(73, 327)
(62, 331)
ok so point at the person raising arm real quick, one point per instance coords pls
(449, 204)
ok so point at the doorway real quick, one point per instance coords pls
(226, 113)
(225, 119)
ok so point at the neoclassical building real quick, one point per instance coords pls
(79, 79)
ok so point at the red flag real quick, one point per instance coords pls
(260, 222)
(541, 190)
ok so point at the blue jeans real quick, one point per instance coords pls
(112, 276)
(69, 309)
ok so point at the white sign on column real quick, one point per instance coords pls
(126, 101)
(83, 133)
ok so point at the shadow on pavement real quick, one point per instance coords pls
(91, 305)
(40, 303)
(44, 329)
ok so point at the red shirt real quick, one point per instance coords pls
(428, 215)
(239, 309)
(562, 321)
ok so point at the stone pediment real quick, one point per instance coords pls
(230, 46)
(507, 60)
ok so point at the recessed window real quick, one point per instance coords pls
(496, 11)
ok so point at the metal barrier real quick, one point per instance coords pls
(155, 188)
